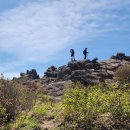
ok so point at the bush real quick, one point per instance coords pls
(83, 105)
(15, 98)
(3, 115)
(119, 104)
(123, 74)
(24, 122)
(40, 110)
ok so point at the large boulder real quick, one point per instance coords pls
(84, 77)
(56, 89)
(113, 66)
(95, 66)
(30, 74)
(51, 72)
(64, 72)
(105, 75)
(120, 56)
(75, 65)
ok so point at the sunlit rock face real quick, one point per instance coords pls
(88, 72)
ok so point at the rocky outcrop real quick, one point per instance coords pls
(85, 77)
(64, 73)
(88, 72)
(121, 56)
(30, 74)
(51, 72)
(56, 89)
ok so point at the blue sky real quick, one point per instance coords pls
(40, 33)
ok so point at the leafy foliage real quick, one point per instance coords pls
(40, 110)
(83, 105)
(24, 122)
(3, 115)
(79, 108)
(14, 98)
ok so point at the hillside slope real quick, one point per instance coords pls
(82, 95)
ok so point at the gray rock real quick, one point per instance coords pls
(104, 75)
(74, 65)
(51, 72)
(84, 77)
(64, 73)
(56, 89)
(92, 66)
(121, 56)
(32, 74)
(88, 72)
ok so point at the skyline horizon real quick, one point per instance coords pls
(40, 33)
(42, 74)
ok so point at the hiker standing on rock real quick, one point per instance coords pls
(85, 52)
(72, 54)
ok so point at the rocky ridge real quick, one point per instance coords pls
(87, 72)
(56, 80)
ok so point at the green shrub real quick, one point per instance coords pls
(83, 105)
(48, 108)
(123, 74)
(119, 104)
(40, 110)
(24, 122)
(15, 98)
(3, 115)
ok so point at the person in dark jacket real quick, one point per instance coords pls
(85, 52)
(72, 54)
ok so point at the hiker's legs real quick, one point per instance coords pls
(85, 57)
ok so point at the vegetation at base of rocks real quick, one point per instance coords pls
(122, 74)
(28, 111)
(97, 107)
(15, 98)
(3, 115)
(32, 119)
(83, 105)
(23, 122)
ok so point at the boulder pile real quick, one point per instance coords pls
(55, 80)
(30, 74)
(88, 72)
(121, 56)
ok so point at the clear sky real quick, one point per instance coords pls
(40, 33)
